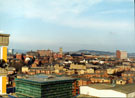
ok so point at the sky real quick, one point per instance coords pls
(106, 25)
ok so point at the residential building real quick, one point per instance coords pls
(25, 69)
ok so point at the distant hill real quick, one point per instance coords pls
(95, 52)
(131, 54)
(20, 51)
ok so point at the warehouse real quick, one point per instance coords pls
(108, 90)
(44, 86)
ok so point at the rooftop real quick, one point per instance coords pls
(128, 88)
(45, 78)
(5, 35)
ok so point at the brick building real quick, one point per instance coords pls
(45, 52)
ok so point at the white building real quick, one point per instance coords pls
(10, 51)
(106, 90)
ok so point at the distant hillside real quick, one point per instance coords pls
(131, 54)
(20, 51)
(95, 52)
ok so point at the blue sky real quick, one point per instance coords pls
(72, 24)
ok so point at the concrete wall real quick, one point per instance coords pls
(131, 95)
(100, 93)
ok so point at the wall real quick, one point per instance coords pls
(3, 53)
(100, 93)
(131, 95)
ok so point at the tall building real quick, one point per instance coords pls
(61, 50)
(43, 86)
(4, 41)
(121, 54)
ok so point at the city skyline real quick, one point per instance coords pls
(79, 24)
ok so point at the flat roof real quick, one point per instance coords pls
(128, 88)
(45, 78)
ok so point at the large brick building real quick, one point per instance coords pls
(45, 52)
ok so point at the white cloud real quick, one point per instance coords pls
(116, 11)
(55, 9)
(49, 9)
(103, 26)
(119, 1)
(64, 12)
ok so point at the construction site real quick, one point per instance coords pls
(44, 86)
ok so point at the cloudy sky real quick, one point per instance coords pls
(72, 24)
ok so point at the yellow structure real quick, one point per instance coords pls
(3, 81)
(2, 85)
(4, 41)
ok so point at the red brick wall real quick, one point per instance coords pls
(118, 54)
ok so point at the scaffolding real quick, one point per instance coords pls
(54, 89)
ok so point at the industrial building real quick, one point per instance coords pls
(121, 54)
(109, 90)
(44, 86)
